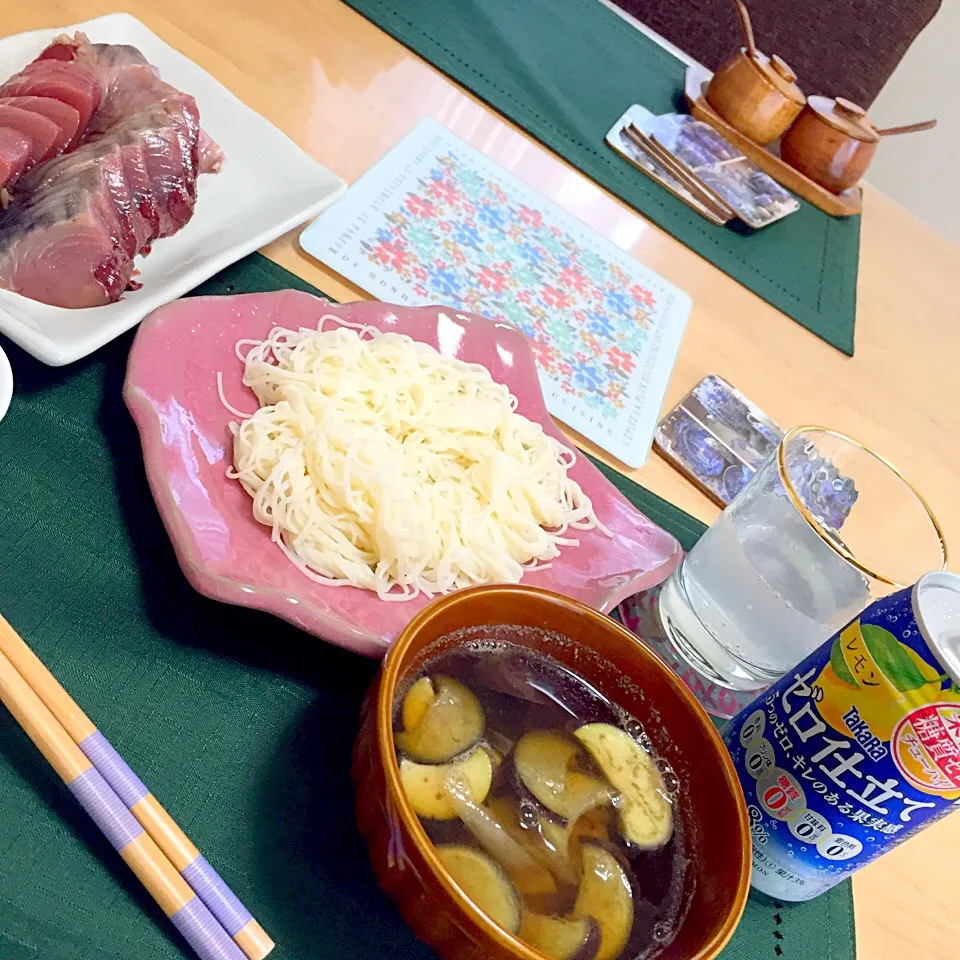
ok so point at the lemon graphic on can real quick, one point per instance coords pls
(883, 679)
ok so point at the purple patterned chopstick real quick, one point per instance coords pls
(192, 865)
(90, 745)
(195, 922)
(157, 874)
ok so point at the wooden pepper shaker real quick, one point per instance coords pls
(833, 142)
(755, 93)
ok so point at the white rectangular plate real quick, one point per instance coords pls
(267, 186)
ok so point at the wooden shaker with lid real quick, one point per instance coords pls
(831, 142)
(755, 93)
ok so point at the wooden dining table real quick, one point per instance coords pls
(346, 92)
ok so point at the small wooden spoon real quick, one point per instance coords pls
(747, 30)
(908, 128)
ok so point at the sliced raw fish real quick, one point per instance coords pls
(165, 120)
(63, 47)
(132, 84)
(110, 60)
(102, 58)
(145, 212)
(43, 133)
(61, 246)
(56, 111)
(211, 156)
(98, 183)
(128, 176)
(99, 166)
(170, 149)
(67, 82)
(14, 155)
(70, 264)
(115, 66)
(131, 90)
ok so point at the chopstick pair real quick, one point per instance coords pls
(188, 890)
(681, 172)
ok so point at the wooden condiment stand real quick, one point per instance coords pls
(845, 204)
(827, 144)
(752, 100)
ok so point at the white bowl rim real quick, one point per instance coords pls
(6, 383)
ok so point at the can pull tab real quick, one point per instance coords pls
(936, 602)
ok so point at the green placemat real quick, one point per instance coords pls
(239, 723)
(565, 70)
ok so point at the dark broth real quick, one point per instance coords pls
(520, 691)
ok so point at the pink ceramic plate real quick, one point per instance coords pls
(171, 390)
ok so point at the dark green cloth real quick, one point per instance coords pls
(240, 724)
(685, 528)
(565, 70)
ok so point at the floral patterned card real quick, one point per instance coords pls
(436, 222)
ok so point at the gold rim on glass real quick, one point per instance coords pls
(834, 542)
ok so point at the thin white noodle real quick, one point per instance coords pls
(378, 463)
(223, 400)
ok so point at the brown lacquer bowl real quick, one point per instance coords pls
(713, 811)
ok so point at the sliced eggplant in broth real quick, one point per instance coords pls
(559, 937)
(416, 703)
(544, 839)
(554, 845)
(429, 786)
(555, 839)
(484, 883)
(441, 719)
(597, 826)
(606, 895)
(645, 811)
(532, 880)
(551, 768)
(564, 840)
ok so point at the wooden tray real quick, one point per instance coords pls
(846, 204)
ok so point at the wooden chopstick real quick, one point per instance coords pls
(662, 153)
(172, 893)
(675, 188)
(685, 177)
(174, 845)
(683, 173)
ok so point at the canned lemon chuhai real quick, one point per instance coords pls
(858, 746)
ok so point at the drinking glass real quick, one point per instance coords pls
(824, 527)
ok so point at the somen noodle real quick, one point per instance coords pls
(379, 463)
